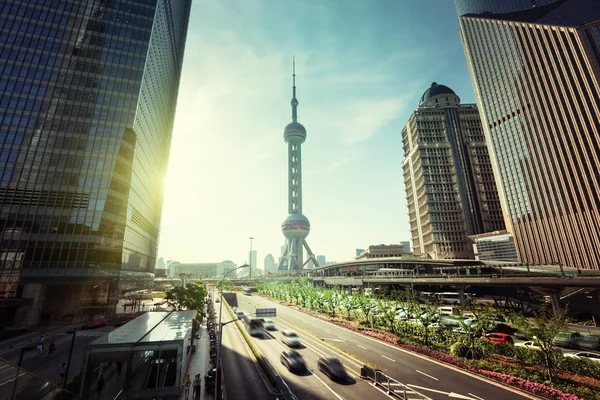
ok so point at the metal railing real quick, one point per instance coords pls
(390, 385)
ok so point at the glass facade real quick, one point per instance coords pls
(536, 75)
(450, 186)
(88, 92)
(496, 6)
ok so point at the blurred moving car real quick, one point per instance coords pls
(333, 368)
(530, 344)
(293, 360)
(587, 343)
(498, 337)
(269, 325)
(567, 339)
(290, 338)
(585, 355)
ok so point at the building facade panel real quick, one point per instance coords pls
(87, 97)
(536, 79)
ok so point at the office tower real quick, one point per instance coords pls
(269, 263)
(321, 261)
(296, 226)
(406, 246)
(450, 188)
(252, 261)
(535, 67)
(88, 94)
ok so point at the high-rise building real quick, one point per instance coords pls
(296, 226)
(321, 260)
(269, 263)
(252, 261)
(535, 67)
(88, 91)
(450, 187)
(406, 246)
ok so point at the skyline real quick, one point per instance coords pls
(353, 109)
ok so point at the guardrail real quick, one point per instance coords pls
(390, 385)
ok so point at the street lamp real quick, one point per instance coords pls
(250, 258)
(220, 285)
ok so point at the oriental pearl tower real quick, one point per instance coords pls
(296, 226)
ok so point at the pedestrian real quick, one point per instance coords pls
(100, 384)
(63, 372)
(51, 348)
(186, 386)
(119, 367)
(39, 349)
(197, 385)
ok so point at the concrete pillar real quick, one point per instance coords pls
(461, 296)
(30, 315)
(555, 301)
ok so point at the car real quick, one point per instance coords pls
(269, 325)
(290, 338)
(333, 368)
(588, 342)
(530, 344)
(585, 355)
(567, 339)
(498, 337)
(217, 300)
(292, 360)
(240, 314)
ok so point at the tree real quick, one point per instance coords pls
(224, 284)
(365, 305)
(542, 328)
(482, 318)
(425, 313)
(189, 298)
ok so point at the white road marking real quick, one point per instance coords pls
(362, 347)
(450, 394)
(333, 339)
(427, 375)
(477, 397)
(324, 384)
(342, 338)
(391, 359)
(326, 331)
(11, 380)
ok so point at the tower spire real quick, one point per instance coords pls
(294, 100)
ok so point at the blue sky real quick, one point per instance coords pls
(361, 69)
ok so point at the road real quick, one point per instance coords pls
(238, 367)
(437, 381)
(40, 368)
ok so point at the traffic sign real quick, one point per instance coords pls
(266, 312)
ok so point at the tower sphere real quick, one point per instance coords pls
(295, 226)
(294, 131)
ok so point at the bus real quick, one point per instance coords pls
(453, 297)
(254, 326)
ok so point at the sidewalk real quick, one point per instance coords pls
(199, 364)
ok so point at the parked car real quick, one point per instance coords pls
(333, 368)
(293, 360)
(498, 337)
(240, 314)
(585, 355)
(290, 338)
(269, 325)
(567, 339)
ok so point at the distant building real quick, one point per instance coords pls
(359, 251)
(161, 268)
(321, 260)
(495, 246)
(269, 263)
(252, 261)
(406, 246)
(206, 270)
(450, 188)
(382, 251)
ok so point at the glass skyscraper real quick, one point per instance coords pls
(535, 67)
(88, 91)
(450, 188)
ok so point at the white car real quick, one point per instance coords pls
(585, 355)
(530, 344)
(290, 338)
(269, 325)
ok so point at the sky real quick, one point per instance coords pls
(361, 68)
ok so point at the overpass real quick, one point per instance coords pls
(556, 282)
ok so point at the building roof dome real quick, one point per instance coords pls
(295, 129)
(436, 90)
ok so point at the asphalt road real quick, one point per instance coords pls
(437, 381)
(240, 374)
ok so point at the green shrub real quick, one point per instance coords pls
(460, 349)
(581, 367)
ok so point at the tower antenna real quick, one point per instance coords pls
(294, 100)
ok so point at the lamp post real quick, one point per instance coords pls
(250, 258)
(221, 327)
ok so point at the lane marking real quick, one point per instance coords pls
(324, 384)
(449, 394)
(11, 380)
(327, 331)
(341, 338)
(427, 375)
(477, 397)
(388, 358)
(362, 347)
